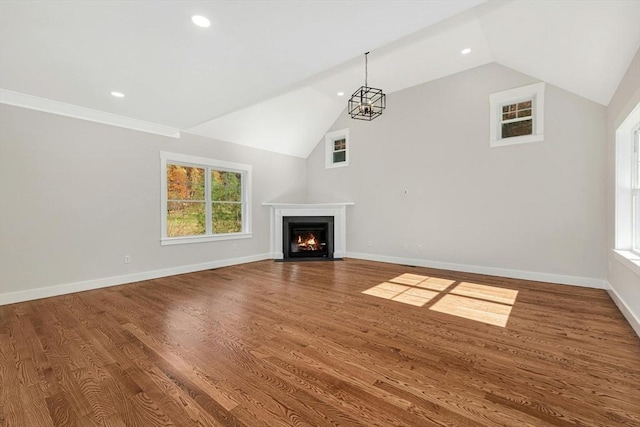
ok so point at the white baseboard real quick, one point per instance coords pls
(32, 294)
(492, 271)
(624, 309)
(51, 291)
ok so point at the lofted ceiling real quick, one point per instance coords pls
(266, 73)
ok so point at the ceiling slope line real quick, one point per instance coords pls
(60, 108)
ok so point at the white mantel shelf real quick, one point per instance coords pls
(307, 205)
(337, 210)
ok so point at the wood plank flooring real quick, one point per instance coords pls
(298, 344)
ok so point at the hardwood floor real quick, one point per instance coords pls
(299, 344)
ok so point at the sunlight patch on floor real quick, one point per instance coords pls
(435, 283)
(484, 292)
(400, 293)
(481, 303)
(473, 309)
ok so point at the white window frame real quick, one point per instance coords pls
(626, 249)
(535, 93)
(329, 140)
(207, 164)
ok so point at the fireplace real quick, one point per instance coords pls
(337, 235)
(308, 237)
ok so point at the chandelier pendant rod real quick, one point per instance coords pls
(366, 69)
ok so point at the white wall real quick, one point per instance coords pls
(625, 284)
(534, 210)
(76, 196)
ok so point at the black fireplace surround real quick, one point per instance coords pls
(307, 237)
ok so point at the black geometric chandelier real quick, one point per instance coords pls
(367, 102)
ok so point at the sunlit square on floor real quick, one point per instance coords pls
(417, 297)
(393, 287)
(436, 283)
(383, 290)
(489, 293)
(473, 309)
(409, 279)
(401, 293)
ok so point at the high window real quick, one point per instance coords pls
(516, 119)
(635, 194)
(204, 199)
(517, 115)
(337, 148)
(627, 231)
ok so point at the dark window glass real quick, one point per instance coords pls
(524, 127)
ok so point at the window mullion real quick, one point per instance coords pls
(207, 197)
(517, 119)
(243, 199)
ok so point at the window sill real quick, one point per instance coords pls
(200, 239)
(525, 139)
(336, 165)
(628, 259)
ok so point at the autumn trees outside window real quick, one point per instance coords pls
(186, 204)
(203, 199)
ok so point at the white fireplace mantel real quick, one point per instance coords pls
(337, 210)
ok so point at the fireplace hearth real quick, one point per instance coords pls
(308, 237)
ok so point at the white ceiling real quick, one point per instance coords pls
(266, 73)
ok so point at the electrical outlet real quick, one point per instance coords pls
(369, 244)
(127, 259)
(419, 245)
(405, 246)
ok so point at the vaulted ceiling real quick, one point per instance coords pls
(267, 73)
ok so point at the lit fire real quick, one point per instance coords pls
(308, 243)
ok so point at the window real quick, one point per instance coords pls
(337, 148)
(635, 192)
(203, 199)
(517, 119)
(517, 115)
(627, 219)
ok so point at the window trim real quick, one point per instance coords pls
(329, 139)
(195, 161)
(533, 92)
(624, 191)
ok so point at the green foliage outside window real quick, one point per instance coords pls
(226, 194)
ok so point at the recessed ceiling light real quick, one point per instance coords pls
(117, 94)
(465, 51)
(201, 21)
(340, 93)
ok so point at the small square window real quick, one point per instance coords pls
(516, 115)
(337, 149)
